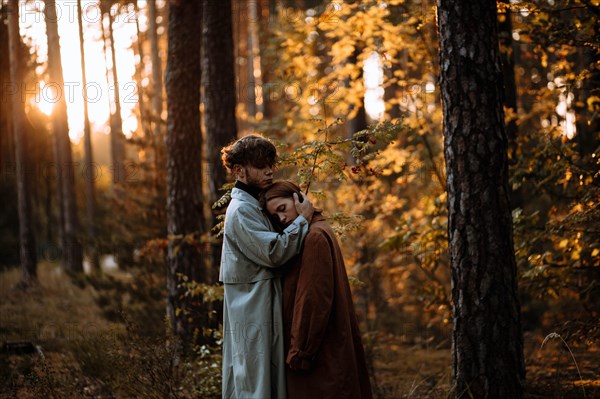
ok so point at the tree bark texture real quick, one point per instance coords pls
(72, 254)
(27, 248)
(218, 79)
(184, 159)
(487, 338)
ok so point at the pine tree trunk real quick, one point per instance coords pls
(26, 238)
(255, 88)
(184, 159)
(139, 52)
(6, 136)
(510, 93)
(117, 140)
(218, 80)
(240, 55)
(358, 121)
(72, 254)
(508, 70)
(487, 339)
(157, 98)
(88, 155)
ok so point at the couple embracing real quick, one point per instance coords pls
(289, 326)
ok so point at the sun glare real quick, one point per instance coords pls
(373, 76)
(100, 88)
(42, 99)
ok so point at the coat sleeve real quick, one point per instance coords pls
(312, 304)
(263, 246)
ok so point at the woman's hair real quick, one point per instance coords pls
(279, 189)
(252, 150)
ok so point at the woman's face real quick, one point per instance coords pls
(283, 208)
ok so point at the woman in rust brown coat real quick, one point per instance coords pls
(325, 356)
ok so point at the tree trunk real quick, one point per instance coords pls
(219, 101)
(144, 124)
(487, 339)
(358, 121)
(508, 71)
(507, 54)
(184, 160)
(26, 238)
(72, 255)
(157, 98)
(117, 140)
(587, 122)
(111, 117)
(240, 55)
(6, 137)
(255, 87)
(88, 155)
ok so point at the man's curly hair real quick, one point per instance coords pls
(251, 150)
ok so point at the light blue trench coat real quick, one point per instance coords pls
(253, 353)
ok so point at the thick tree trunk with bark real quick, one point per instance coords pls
(184, 158)
(72, 254)
(218, 79)
(90, 191)
(487, 338)
(26, 238)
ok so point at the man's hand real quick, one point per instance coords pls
(304, 208)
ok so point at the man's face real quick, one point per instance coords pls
(256, 177)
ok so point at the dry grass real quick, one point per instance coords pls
(74, 335)
(52, 313)
(56, 316)
(404, 371)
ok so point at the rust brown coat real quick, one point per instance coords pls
(325, 357)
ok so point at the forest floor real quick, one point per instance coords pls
(60, 318)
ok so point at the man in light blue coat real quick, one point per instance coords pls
(253, 353)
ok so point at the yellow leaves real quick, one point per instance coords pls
(577, 208)
(575, 255)
(544, 60)
(593, 103)
(392, 203)
(341, 50)
(412, 21)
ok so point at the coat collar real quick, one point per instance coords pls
(317, 217)
(253, 191)
(241, 195)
